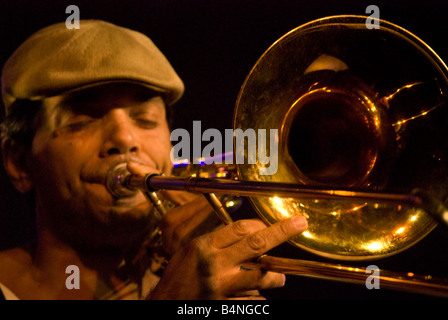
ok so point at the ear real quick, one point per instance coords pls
(14, 161)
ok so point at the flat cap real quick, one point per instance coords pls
(56, 59)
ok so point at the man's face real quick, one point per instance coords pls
(80, 137)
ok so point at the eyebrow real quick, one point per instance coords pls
(85, 102)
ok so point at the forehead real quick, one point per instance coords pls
(100, 99)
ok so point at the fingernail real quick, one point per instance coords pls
(299, 222)
(283, 282)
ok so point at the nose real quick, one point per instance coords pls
(119, 135)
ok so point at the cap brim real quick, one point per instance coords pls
(164, 93)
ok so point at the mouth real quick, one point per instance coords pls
(100, 196)
(116, 181)
(114, 177)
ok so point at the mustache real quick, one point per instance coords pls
(101, 173)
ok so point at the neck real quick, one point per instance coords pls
(58, 264)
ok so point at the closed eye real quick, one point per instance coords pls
(146, 123)
(79, 124)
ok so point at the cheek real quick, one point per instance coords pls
(158, 147)
(58, 162)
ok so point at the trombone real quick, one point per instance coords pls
(362, 148)
(408, 282)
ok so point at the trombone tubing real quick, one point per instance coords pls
(405, 282)
(262, 188)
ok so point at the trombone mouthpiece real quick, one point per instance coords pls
(116, 181)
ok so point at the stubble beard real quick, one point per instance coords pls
(114, 233)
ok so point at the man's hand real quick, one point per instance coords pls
(209, 267)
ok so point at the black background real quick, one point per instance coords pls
(213, 45)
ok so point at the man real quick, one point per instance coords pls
(77, 103)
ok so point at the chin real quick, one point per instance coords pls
(102, 204)
(131, 211)
(95, 226)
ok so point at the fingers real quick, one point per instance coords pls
(213, 262)
(234, 232)
(180, 214)
(247, 295)
(181, 224)
(248, 239)
(246, 282)
(256, 279)
(258, 243)
(244, 240)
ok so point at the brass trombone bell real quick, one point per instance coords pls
(355, 108)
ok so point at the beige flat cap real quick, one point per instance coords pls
(55, 60)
